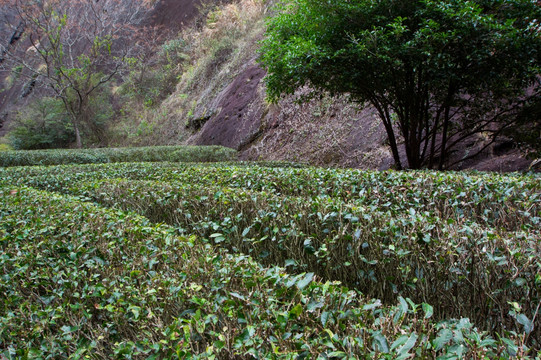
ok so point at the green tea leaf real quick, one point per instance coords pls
(444, 337)
(428, 310)
(296, 310)
(305, 281)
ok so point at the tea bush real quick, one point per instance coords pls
(467, 243)
(114, 155)
(463, 268)
(82, 281)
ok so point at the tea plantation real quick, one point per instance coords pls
(269, 261)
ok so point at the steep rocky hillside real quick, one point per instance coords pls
(216, 95)
(220, 99)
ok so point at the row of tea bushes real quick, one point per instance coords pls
(81, 281)
(403, 235)
(114, 155)
(463, 269)
(510, 201)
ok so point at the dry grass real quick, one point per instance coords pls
(214, 57)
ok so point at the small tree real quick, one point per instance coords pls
(437, 71)
(41, 125)
(72, 47)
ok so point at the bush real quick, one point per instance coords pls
(44, 124)
(106, 155)
(82, 281)
(466, 243)
(464, 269)
(151, 80)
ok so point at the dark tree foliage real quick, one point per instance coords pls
(437, 71)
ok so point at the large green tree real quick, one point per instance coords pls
(437, 71)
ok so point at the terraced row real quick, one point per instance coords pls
(469, 244)
(81, 281)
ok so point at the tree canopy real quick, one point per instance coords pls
(437, 71)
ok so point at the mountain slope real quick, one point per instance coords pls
(215, 95)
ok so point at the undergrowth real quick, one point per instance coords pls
(186, 73)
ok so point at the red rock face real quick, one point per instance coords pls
(240, 112)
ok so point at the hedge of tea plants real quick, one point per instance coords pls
(467, 244)
(114, 155)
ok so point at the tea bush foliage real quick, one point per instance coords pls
(273, 261)
(114, 155)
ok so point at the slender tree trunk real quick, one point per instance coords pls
(446, 121)
(394, 146)
(444, 138)
(433, 139)
(78, 141)
(386, 119)
(414, 160)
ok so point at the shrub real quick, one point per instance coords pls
(83, 281)
(106, 155)
(44, 124)
(462, 268)
(466, 243)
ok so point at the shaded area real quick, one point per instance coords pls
(173, 15)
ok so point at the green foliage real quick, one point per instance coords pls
(43, 124)
(468, 244)
(78, 51)
(98, 115)
(83, 281)
(439, 71)
(5, 147)
(108, 155)
(152, 80)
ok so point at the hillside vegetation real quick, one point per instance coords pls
(153, 260)
(210, 91)
(194, 78)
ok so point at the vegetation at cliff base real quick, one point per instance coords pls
(114, 155)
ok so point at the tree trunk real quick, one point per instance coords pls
(78, 141)
(386, 119)
(444, 138)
